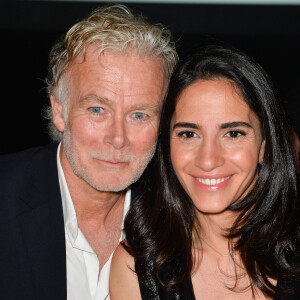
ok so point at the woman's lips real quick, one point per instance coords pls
(215, 183)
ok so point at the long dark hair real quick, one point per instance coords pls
(159, 227)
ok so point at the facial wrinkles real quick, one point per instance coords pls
(82, 173)
(125, 84)
(120, 97)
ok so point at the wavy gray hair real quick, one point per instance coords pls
(113, 27)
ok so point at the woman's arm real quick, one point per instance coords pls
(123, 281)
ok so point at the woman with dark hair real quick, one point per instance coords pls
(216, 218)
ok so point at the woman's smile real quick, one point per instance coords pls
(212, 184)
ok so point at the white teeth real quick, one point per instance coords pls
(213, 181)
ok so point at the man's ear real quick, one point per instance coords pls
(57, 113)
(262, 152)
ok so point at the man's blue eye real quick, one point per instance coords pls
(97, 110)
(139, 116)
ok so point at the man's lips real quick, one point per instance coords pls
(112, 163)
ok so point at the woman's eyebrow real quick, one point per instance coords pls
(222, 126)
(235, 124)
(185, 125)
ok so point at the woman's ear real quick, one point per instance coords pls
(262, 152)
(57, 113)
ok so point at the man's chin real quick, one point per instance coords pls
(107, 185)
(110, 188)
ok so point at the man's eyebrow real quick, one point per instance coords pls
(235, 124)
(146, 106)
(102, 100)
(185, 125)
(142, 106)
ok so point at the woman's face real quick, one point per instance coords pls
(216, 144)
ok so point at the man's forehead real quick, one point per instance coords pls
(119, 67)
(115, 75)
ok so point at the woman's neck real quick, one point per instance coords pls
(211, 232)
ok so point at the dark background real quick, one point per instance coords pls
(28, 29)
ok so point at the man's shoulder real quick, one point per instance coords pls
(18, 159)
(14, 165)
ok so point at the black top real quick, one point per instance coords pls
(186, 292)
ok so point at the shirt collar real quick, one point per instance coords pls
(125, 211)
(70, 219)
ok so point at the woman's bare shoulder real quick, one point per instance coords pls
(123, 282)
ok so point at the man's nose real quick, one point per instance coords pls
(210, 155)
(116, 134)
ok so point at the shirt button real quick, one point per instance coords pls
(71, 225)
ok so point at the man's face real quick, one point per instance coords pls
(113, 118)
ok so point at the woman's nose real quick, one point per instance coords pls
(209, 155)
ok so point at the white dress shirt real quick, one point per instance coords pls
(82, 261)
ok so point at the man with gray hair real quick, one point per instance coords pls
(63, 205)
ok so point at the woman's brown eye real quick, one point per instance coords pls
(187, 134)
(235, 133)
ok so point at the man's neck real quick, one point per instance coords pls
(99, 214)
